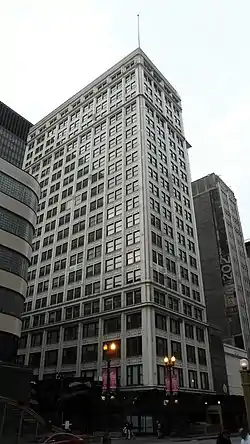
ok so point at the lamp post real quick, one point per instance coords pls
(109, 351)
(169, 364)
(245, 382)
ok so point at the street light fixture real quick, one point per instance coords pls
(244, 364)
(109, 350)
(169, 364)
(245, 382)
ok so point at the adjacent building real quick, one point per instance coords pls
(14, 130)
(19, 194)
(115, 256)
(247, 246)
(224, 268)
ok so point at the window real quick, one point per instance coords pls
(92, 288)
(36, 340)
(74, 293)
(34, 359)
(114, 245)
(155, 221)
(95, 235)
(60, 265)
(133, 257)
(132, 203)
(91, 307)
(160, 322)
(112, 303)
(132, 172)
(70, 333)
(133, 276)
(133, 297)
(192, 379)
(56, 298)
(173, 303)
(187, 309)
(159, 298)
(171, 265)
(134, 321)
(90, 330)
(132, 220)
(113, 264)
(171, 283)
(184, 273)
(202, 356)
(53, 336)
(89, 353)
(113, 228)
(196, 295)
(69, 356)
(114, 211)
(194, 279)
(51, 358)
(204, 381)
(191, 354)
(75, 276)
(112, 325)
(156, 239)
(200, 334)
(134, 346)
(55, 316)
(169, 248)
(189, 331)
(76, 259)
(175, 326)
(72, 312)
(157, 258)
(95, 252)
(161, 346)
(114, 196)
(60, 249)
(134, 375)
(93, 270)
(198, 314)
(58, 281)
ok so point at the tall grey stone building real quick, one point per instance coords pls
(224, 264)
(115, 256)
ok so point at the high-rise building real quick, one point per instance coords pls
(19, 193)
(247, 246)
(116, 256)
(14, 130)
(224, 264)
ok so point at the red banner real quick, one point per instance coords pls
(175, 383)
(112, 378)
(167, 384)
(104, 379)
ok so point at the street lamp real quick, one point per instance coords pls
(169, 364)
(109, 351)
(245, 382)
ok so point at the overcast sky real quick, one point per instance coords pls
(50, 49)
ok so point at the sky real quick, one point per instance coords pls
(50, 49)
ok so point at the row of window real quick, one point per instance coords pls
(110, 303)
(174, 303)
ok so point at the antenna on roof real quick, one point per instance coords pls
(138, 30)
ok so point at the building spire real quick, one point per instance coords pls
(138, 30)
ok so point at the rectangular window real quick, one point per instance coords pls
(134, 375)
(134, 346)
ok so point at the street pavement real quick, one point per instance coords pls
(154, 440)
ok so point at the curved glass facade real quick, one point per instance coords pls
(18, 203)
(16, 225)
(17, 190)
